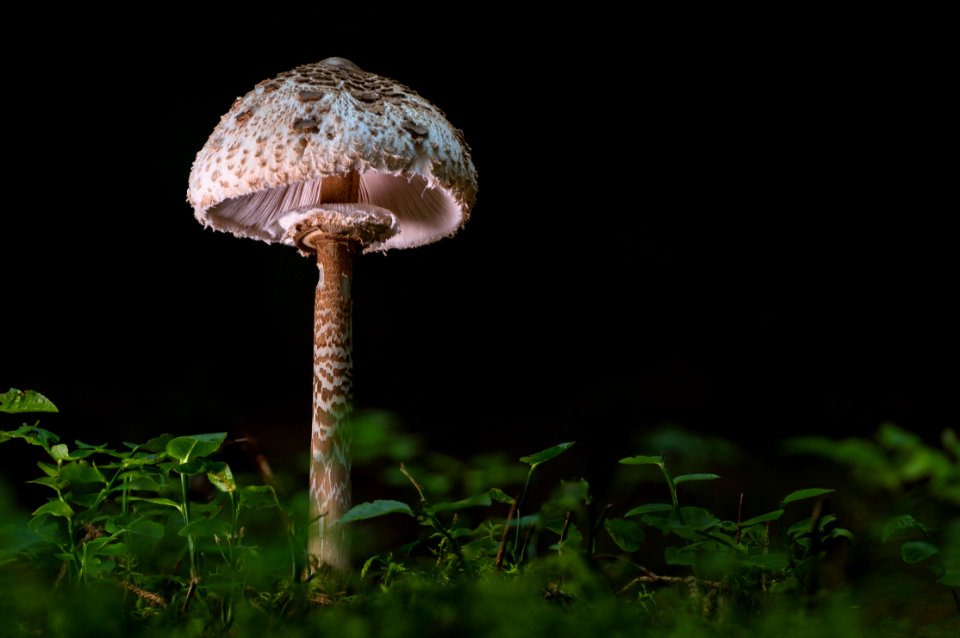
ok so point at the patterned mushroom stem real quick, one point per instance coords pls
(334, 230)
(332, 372)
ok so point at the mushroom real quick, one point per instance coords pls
(333, 160)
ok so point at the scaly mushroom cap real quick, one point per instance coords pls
(259, 174)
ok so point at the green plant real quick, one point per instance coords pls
(911, 474)
(162, 536)
(729, 557)
(111, 510)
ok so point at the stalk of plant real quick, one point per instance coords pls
(191, 545)
(534, 461)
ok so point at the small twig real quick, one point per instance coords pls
(192, 588)
(425, 502)
(503, 536)
(264, 466)
(650, 577)
(156, 599)
(423, 497)
(736, 535)
(60, 574)
(251, 446)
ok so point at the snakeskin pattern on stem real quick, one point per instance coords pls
(332, 371)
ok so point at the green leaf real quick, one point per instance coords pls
(85, 449)
(916, 551)
(543, 456)
(82, 472)
(628, 535)
(192, 467)
(773, 561)
(801, 528)
(801, 495)
(840, 533)
(763, 518)
(642, 460)
(696, 521)
(206, 527)
(573, 539)
(96, 545)
(648, 509)
(134, 480)
(901, 524)
(365, 511)
(55, 507)
(895, 437)
(156, 444)
(15, 401)
(367, 564)
(157, 501)
(699, 518)
(825, 521)
(681, 555)
(480, 500)
(114, 548)
(49, 469)
(498, 495)
(686, 478)
(84, 499)
(139, 459)
(258, 497)
(950, 578)
(869, 461)
(76, 455)
(220, 475)
(524, 521)
(31, 434)
(50, 482)
(96, 448)
(94, 566)
(568, 495)
(184, 448)
(140, 526)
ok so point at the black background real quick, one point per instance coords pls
(739, 223)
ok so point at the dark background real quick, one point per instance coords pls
(736, 223)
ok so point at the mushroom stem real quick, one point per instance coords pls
(334, 231)
(332, 381)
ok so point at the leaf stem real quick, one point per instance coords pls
(185, 505)
(673, 489)
(503, 537)
(523, 498)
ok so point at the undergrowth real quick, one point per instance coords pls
(161, 536)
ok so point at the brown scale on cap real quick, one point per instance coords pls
(326, 120)
(335, 161)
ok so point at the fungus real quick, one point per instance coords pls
(333, 160)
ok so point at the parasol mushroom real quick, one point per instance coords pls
(333, 160)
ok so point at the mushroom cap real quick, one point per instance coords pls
(261, 170)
